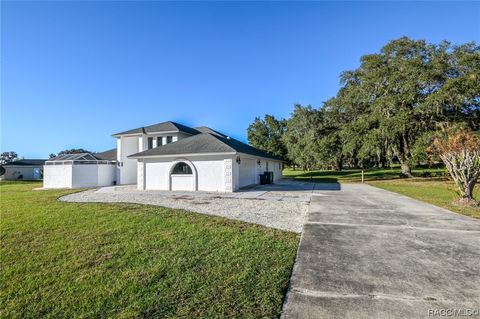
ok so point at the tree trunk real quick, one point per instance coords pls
(467, 196)
(468, 190)
(405, 168)
(339, 164)
(402, 153)
(464, 172)
(383, 162)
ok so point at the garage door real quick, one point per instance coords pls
(182, 183)
(247, 172)
(182, 178)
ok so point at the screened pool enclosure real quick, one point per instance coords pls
(80, 158)
(79, 170)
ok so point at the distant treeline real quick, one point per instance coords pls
(388, 110)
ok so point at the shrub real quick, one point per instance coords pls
(459, 149)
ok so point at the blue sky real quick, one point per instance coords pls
(74, 73)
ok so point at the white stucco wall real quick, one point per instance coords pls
(228, 172)
(277, 170)
(249, 170)
(57, 176)
(209, 171)
(106, 174)
(73, 176)
(84, 175)
(127, 171)
(215, 173)
(140, 174)
(273, 166)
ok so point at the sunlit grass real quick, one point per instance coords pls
(355, 175)
(441, 193)
(67, 260)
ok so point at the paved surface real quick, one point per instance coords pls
(370, 253)
(282, 205)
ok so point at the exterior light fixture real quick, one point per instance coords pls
(238, 160)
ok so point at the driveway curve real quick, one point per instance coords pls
(283, 205)
(371, 253)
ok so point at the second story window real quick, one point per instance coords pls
(159, 141)
(150, 143)
(169, 139)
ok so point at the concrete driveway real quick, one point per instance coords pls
(370, 253)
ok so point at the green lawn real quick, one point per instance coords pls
(437, 190)
(67, 260)
(355, 175)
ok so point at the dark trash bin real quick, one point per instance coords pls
(269, 177)
(263, 179)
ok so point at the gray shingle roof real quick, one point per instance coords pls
(245, 148)
(204, 143)
(110, 155)
(27, 162)
(161, 127)
(205, 129)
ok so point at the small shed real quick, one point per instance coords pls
(78, 170)
(28, 169)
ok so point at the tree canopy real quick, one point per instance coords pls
(267, 135)
(70, 151)
(7, 157)
(388, 109)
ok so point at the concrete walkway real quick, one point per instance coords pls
(370, 253)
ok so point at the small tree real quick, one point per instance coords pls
(267, 135)
(70, 151)
(7, 157)
(460, 151)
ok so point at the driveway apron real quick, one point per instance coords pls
(370, 253)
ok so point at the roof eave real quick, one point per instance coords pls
(151, 133)
(264, 157)
(135, 156)
(128, 135)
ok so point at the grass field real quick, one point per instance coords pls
(67, 260)
(437, 191)
(355, 175)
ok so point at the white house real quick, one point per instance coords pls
(23, 169)
(172, 156)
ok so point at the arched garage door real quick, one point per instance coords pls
(182, 177)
